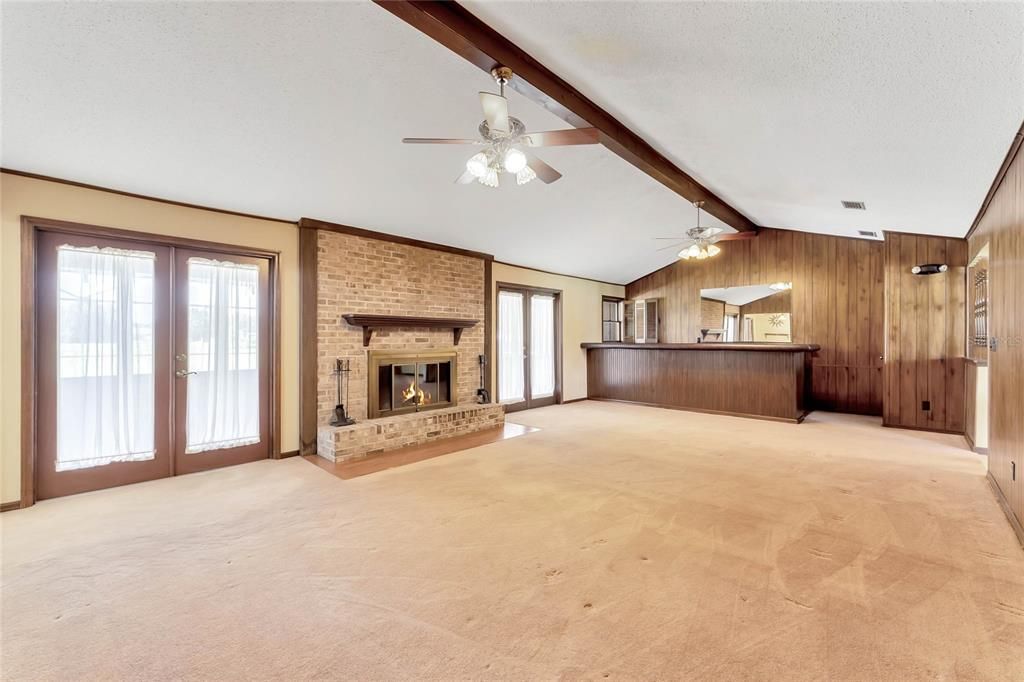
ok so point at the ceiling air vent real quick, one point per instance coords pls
(856, 205)
(868, 233)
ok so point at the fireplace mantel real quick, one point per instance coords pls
(371, 322)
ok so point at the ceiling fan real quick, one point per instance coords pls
(506, 143)
(699, 242)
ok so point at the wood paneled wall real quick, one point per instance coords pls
(926, 333)
(1002, 228)
(837, 302)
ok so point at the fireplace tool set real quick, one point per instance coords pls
(341, 372)
(482, 396)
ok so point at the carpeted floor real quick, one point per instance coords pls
(618, 542)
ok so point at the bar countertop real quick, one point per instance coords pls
(769, 347)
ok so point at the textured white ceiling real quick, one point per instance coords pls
(784, 109)
(291, 109)
(298, 109)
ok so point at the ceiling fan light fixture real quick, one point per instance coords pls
(693, 251)
(489, 178)
(713, 250)
(514, 161)
(525, 175)
(478, 165)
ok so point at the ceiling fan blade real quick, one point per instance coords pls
(437, 140)
(495, 111)
(545, 172)
(709, 232)
(734, 236)
(672, 246)
(558, 138)
(465, 178)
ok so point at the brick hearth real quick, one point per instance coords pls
(344, 443)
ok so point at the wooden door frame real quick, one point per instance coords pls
(526, 290)
(31, 227)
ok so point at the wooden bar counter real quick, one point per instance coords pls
(760, 380)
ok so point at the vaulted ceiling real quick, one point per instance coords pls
(297, 109)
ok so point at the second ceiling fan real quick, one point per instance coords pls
(506, 144)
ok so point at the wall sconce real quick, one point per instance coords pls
(929, 269)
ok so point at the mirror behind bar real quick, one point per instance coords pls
(762, 312)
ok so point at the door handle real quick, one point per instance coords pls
(183, 373)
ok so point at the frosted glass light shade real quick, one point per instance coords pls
(477, 165)
(525, 175)
(490, 178)
(515, 161)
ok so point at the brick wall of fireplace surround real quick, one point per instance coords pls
(371, 276)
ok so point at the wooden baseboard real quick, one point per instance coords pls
(10, 506)
(762, 417)
(1015, 523)
(921, 428)
(574, 400)
(290, 453)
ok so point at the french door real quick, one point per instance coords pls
(529, 330)
(152, 360)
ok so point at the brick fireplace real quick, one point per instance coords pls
(361, 276)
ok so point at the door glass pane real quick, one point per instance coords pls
(511, 379)
(542, 346)
(105, 389)
(223, 408)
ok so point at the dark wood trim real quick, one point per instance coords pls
(488, 326)
(782, 420)
(371, 322)
(460, 31)
(276, 356)
(1004, 504)
(290, 453)
(308, 262)
(29, 235)
(527, 287)
(10, 506)
(133, 195)
(31, 227)
(51, 225)
(574, 400)
(921, 428)
(559, 274)
(757, 346)
(314, 224)
(621, 322)
(1011, 153)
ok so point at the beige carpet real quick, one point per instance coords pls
(619, 542)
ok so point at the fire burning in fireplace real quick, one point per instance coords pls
(409, 381)
(415, 394)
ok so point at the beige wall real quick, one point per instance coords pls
(25, 196)
(581, 319)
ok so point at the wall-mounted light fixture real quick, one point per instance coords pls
(929, 269)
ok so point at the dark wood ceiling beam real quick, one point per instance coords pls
(461, 32)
